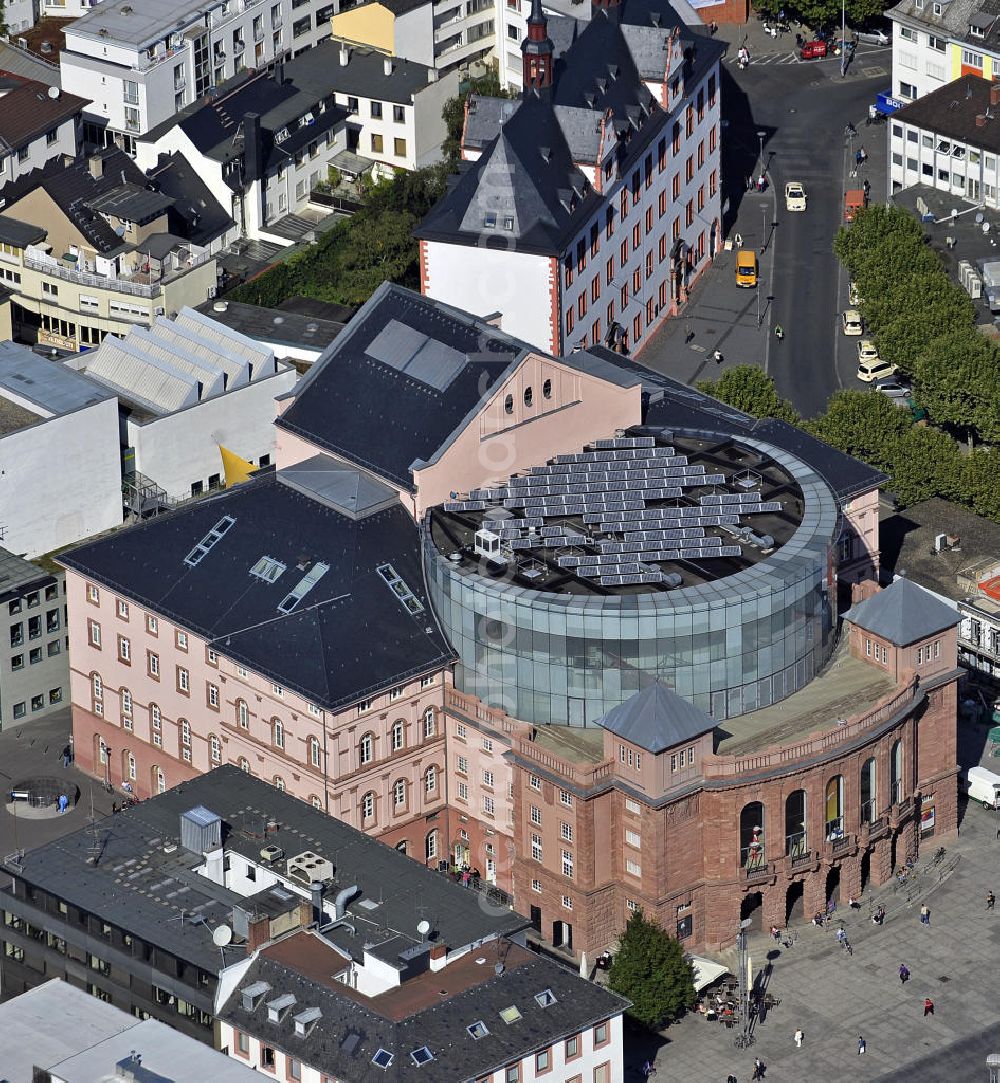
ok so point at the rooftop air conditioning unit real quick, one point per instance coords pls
(272, 853)
(308, 867)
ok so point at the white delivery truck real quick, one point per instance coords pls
(984, 786)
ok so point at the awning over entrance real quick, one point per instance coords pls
(350, 164)
(705, 971)
(887, 104)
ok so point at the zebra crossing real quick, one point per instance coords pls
(768, 58)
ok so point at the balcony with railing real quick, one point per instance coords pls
(142, 279)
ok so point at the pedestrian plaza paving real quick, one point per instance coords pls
(835, 998)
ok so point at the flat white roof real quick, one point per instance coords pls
(140, 22)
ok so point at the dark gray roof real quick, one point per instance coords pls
(273, 325)
(28, 110)
(195, 213)
(19, 234)
(400, 7)
(73, 188)
(657, 718)
(672, 403)
(575, 1006)
(21, 62)
(133, 202)
(16, 574)
(349, 637)
(530, 170)
(146, 903)
(951, 111)
(484, 117)
(160, 245)
(363, 76)
(902, 613)
(406, 366)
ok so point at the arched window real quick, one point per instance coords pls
(102, 752)
(796, 841)
(869, 803)
(126, 703)
(430, 780)
(399, 793)
(185, 731)
(835, 807)
(430, 722)
(244, 765)
(215, 748)
(156, 725)
(159, 780)
(366, 748)
(277, 733)
(401, 846)
(367, 808)
(896, 772)
(130, 766)
(242, 714)
(431, 845)
(398, 735)
(314, 751)
(98, 695)
(316, 802)
(752, 835)
(279, 783)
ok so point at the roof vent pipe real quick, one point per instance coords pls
(343, 898)
(345, 56)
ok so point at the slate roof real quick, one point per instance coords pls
(657, 718)
(339, 486)
(20, 234)
(903, 613)
(529, 172)
(383, 414)
(147, 903)
(27, 111)
(363, 76)
(952, 22)
(195, 213)
(951, 111)
(133, 202)
(669, 402)
(17, 61)
(380, 1023)
(73, 188)
(347, 639)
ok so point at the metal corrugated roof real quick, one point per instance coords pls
(145, 381)
(190, 322)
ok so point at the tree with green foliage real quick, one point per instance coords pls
(864, 424)
(925, 463)
(650, 969)
(957, 379)
(751, 390)
(819, 13)
(976, 482)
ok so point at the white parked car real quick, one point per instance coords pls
(852, 322)
(795, 196)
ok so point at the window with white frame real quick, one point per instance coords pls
(566, 798)
(125, 648)
(463, 791)
(567, 902)
(315, 802)
(631, 905)
(243, 714)
(431, 844)
(98, 687)
(131, 767)
(460, 730)
(536, 815)
(633, 868)
(534, 782)
(366, 748)
(399, 792)
(632, 839)
(183, 679)
(907, 33)
(536, 847)
(536, 885)
(396, 693)
(278, 733)
(185, 733)
(633, 806)
(488, 778)
(154, 664)
(398, 734)
(215, 748)
(489, 805)
(156, 725)
(123, 609)
(462, 765)
(368, 806)
(567, 863)
(972, 60)
(430, 780)
(427, 682)
(314, 751)
(487, 744)
(182, 640)
(213, 695)
(430, 723)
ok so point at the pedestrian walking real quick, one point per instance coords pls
(779, 332)
(798, 1039)
(759, 1068)
(841, 934)
(928, 1007)
(66, 758)
(904, 973)
(862, 1044)
(858, 159)
(688, 333)
(717, 357)
(925, 915)
(990, 900)
(731, 1079)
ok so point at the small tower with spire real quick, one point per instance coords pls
(536, 50)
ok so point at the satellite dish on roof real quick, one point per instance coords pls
(424, 928)
(222, 936)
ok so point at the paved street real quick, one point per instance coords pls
(802, 108)
(834, 997)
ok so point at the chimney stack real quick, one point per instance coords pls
(345, 56)
(995, 94)
(95, 166)
(253, 164)
(387, 66)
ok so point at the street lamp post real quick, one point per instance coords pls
(760, 152)
(758, 306)
(763, 236)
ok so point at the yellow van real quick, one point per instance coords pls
(746, 268)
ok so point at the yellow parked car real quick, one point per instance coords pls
(746, 268)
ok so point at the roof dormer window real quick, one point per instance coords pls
(977, 31)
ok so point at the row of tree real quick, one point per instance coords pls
(922, 461)
(924, 322)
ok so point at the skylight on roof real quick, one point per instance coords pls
(398, 586)
(216, 534)
(268, 569)
(478, 1030)
(421, 1056)
(383, 1059)
(545, 998)
(510, 1015)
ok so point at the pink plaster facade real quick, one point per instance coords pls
(542, 409)
(859, 555)
(169, 708)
